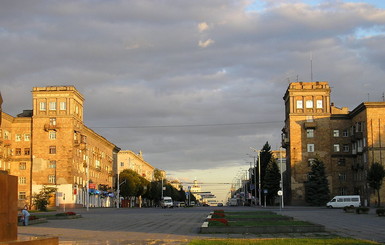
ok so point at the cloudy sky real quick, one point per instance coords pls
(192, 84)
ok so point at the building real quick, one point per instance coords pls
(50, 146)
(347, 142)
(130, 160)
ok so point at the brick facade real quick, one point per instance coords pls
(346, 141)
(51, 146)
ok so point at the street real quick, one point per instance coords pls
(178, 225)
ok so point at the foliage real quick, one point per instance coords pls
(157, 175)
(65, 214)
(41, 199)
(214, 222)
(375, 177)
(317, 187)
(272, 181)
(265, 157)
(362, 210)
(283, 241)
(380, 211)
(133, 184)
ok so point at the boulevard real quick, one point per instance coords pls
(179, 225)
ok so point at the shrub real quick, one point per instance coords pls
(380, 211)
(349, 209)
(362, 210)
(65, 214)
(218, 215)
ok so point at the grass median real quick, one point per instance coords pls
(283, 241)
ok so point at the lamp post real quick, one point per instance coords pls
(255, 177)
(259, 174)
(281, 184)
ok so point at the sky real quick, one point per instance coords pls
(191, 84)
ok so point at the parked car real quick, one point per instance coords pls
(220, 204)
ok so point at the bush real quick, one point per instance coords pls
(349, 209)
(362, 210)
(65, 214)
(380, 211)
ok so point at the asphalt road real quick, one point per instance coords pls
(179, 225)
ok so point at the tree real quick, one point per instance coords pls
(133, 183)
(265, 158)
(41, 199)
(272, 181)
(317, 191)
(158, 175)
(375, 177)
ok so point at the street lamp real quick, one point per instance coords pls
(259, 174)
(255, 177)
(281, 184)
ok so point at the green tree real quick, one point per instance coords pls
(375, 178)
(272, 181)
(41, 199)
(317, 191)
(265, 158)
(157, 175)
(133, 184)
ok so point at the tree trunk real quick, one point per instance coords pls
(378, 198)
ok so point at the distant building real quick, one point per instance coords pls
(347, 142)
(130, 160)
(51, 146)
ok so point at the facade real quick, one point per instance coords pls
(347, 142)
(50, 146)
(130, 160)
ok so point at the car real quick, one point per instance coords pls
(220, 204)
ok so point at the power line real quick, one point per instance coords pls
(188, 125)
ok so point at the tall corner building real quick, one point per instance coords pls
(51, 146)
(347, 142)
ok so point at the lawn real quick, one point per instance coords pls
(283, 241)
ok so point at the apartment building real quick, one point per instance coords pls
(130, 160)
(347, 142)
(51, 146)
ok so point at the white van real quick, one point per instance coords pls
(166, 202)
(344, 201)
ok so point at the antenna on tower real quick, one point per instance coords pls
(311, 66)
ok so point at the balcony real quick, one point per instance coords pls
(358, 135)
(48, 127)
(310, 125)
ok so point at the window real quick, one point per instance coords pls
(342, 191)
(336, 148)
(43, 106)
(27, 151)
(309, 133)
(18, 151)
(336, 133)
(27, 137)
(22, 195)
(52, 121)
(77, 110)
(63, 106)
(52, 164)
(310, 147)
(341, 162)
(18, 137)
(22, 180)
(97, 164)
(319, 104)
(52, 106)
(52, 135)
(342, 176)
(122, 164)
(52, 149)
(22, 166)
(345, 148)
(51, 179)
(345, 133)
(299, 104)
(6, 135)
(309, 104)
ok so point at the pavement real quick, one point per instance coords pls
(102, 226)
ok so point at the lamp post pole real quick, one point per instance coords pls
(280, 153)
(259, 178)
